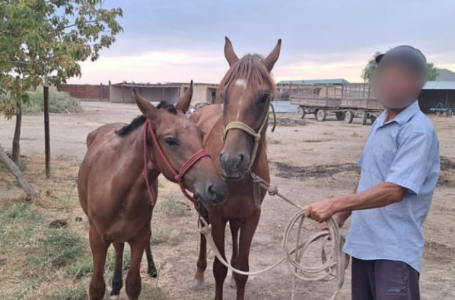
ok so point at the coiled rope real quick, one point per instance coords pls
(333, 266)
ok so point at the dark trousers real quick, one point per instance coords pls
(384, 280)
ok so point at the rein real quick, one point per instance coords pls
(250, 131)
(178, 176)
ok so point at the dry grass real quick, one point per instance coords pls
(39, 262)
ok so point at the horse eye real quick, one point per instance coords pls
(263, 99)
(172, 142)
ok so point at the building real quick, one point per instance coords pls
(435, 92)
(87, 91)
(170, 92)
(445, 75)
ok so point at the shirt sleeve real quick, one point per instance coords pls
(412, 162)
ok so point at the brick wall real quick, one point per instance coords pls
(86, 91)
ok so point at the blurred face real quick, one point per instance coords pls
(395, 85)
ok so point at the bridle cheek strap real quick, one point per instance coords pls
(250, 131)
(178, 176)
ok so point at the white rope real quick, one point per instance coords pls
(333, 266)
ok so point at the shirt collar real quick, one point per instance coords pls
(404, 116)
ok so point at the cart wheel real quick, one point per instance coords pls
(340, 115)
(321, 115)
(300, 112)
(349, 116)
(364, 118)
(316, 113)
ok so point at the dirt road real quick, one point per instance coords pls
(309, 162)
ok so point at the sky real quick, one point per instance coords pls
(183, 40)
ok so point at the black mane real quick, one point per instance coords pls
(167, 106)
(138, 121)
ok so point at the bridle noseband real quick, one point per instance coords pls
(250, 131)
(178, 176)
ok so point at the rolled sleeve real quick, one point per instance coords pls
(411, 164)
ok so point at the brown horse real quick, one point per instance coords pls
(240, 118)
(113, 178)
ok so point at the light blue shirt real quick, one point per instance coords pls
(403, 151)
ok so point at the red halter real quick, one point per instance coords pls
(148, 129)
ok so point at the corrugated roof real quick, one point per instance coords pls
(316, 81)
(445, 75)
(439, 85)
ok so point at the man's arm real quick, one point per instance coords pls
(381, 195)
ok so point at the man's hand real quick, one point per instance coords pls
(321, 211)
(339, 218)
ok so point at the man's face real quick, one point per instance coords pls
(395, 85)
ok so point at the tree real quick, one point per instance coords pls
(42, 41)
(368, 71)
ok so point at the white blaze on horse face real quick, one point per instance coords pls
(240, 83)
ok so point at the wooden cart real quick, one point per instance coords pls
(345, 102)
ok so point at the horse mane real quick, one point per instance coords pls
(249, 68)
(140, 120)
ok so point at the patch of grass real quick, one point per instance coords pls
(22, 162)
(160, 236)
(17, 219)
(69, 293)
(173, 206)
(59, 102)
(60, 247)
(84, 267)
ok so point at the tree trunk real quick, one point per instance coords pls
(31, 194)
(17, 134)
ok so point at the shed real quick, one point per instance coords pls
(155, 92)
(437, 91)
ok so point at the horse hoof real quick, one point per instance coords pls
(153, 274)
(197, 285)
(232, 283)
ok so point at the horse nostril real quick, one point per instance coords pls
(241, 158)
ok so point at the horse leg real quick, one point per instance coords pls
(198, 283)
(117, 280)
(235, 226)
(246, 237)
(219, 270)
(151, 269)
(133, 279)
(99, 250)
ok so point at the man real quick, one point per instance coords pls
(399, 171)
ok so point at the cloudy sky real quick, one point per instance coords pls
(180, 40)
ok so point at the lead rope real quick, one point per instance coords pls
(333, 266)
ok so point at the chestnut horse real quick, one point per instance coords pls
(235, 136)
(117, 183)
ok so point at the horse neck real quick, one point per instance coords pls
(133, 149)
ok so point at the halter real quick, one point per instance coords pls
(250, 131)
(178, 176)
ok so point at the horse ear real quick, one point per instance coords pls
(184, 102)
(147, 109)
(271, 59)
(229, 53)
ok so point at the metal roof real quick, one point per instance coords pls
(439, 85)
(316, 81)
(445, 75)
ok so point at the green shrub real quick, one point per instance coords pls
(59, 102)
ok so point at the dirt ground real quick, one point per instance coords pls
(309, 161)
